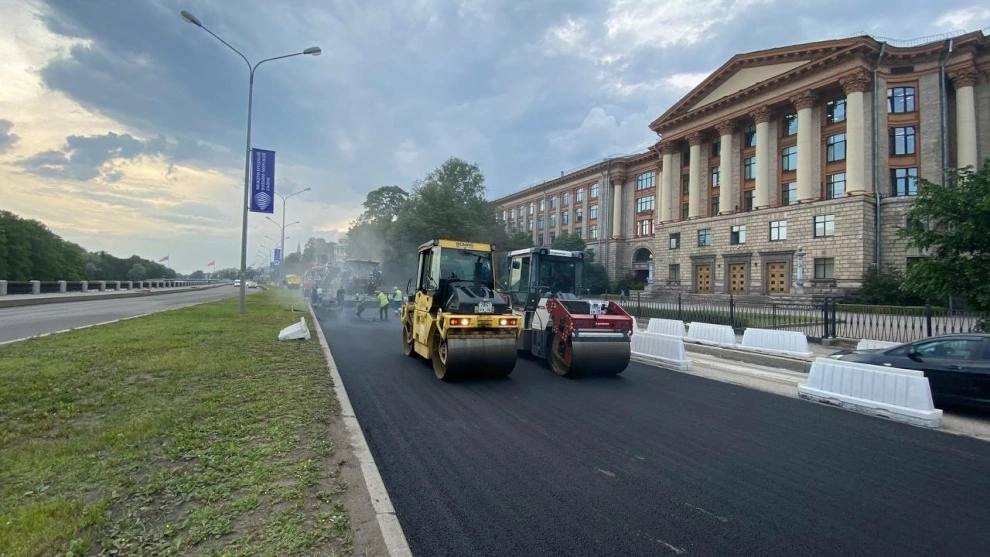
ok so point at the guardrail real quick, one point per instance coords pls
(8, 287)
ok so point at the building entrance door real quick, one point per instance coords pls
(703, 274)
(777, 278)
(737, 278)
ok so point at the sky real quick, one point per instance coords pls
(122, 127)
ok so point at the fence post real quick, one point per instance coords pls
(3, 288)
(102, 285)
(62, 287)
(84, 286)
(773, 309)
(36, 287)
(928, 319)
(825, 318)
(834, 321)
(732, 311)
(680, 312)
(639, 304)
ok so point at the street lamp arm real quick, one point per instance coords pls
(260, 62)
(228, 45)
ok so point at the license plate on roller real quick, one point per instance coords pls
(485, 307)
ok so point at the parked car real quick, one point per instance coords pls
(237, 283)
(957, 366)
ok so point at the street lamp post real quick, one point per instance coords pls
(314, 51)
(282, 244)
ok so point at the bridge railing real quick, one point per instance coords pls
(15, 287)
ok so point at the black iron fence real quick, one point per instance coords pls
(816, 319)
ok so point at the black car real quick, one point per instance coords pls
(957, 366)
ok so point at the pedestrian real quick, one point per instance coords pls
(360, 304)
(340, 297)
(397, 300)
(382, 306)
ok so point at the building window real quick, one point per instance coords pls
(835, 185)
(824, 268)
(578, 215)
(645, 180)
(674, 273)
(532, 207)
(788, 158)
(580, 232)
(553, 203)
(749, 168)
(748, 197)
(513, 213)
(593, 232)
(644, 204)
(529, 226)
(565, 199)
(737, 234)
(714, 206)
(645, 227)
(539, 223)
(553, 220)
(716, 177)
(790, 124)
(904, 181)
(685, 184)
(593, 212)
(788, 193)
(902, 141)
(704, 237)
(539, 240)
(593, 191)
(749, 136)
(824, 226)
(900, 99)
(835, 111)
(543, 205)
(778, 230)
(912, 223)
(835, 147)
(675, 240)
(505, 215)
(685, 211)
(565, 218)
(716, 147)
(553, 237)
(579, 195)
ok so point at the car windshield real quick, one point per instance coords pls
(467, 265)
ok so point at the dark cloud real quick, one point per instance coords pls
(7, 137)
(82, 157)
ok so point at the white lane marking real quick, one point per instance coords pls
(674, 548)
(606, 472)
(707, 512)
(388, 521)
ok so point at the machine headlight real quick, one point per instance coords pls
(507, 322)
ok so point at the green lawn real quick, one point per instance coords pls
(188, 432)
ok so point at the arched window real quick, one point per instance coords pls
(642, 255)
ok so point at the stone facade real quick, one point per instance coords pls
(827, 130)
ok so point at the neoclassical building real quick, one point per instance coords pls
(786, 172)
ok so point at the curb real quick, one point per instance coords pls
(750, 357)
(13, 303)
(388, 521)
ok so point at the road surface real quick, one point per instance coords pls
(652, 462)
(26, 321)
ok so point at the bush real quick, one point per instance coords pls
(885, 288)
(629, 282)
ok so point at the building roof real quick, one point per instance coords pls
(618, 164)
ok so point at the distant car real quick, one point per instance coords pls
(252, 284)
(957, 366)
(237, 283)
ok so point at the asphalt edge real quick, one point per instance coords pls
(388, 521)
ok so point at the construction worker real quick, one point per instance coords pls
(397, 300)
(359, 298)
(382, 306)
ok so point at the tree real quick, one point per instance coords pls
(196, 275)
(137, 272)
(383, 204)
(569, 242)
(956, 238)
(885, 287)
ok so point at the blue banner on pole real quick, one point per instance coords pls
(262, 181)
(278, 256)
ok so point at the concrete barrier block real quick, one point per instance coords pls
(116, 285)
(3, 288)
(666, 350)
(84, 286)
(63, 287)
(36, 287)
(130, 285)
(898, 394)
(672, 327)
(867, 344)
(102, 285)
(790, 343)
(708, 333)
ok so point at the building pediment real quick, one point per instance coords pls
(748, 72)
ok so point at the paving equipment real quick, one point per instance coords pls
(576, 335)
(455, 319)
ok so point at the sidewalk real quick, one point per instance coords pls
(16, 300)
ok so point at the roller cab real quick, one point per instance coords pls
(455, 319)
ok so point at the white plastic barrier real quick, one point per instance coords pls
(297, 331)
(707, 333)
(665, 350)
(790, 343)
(672, 327)
(899, 394)
(867, 344)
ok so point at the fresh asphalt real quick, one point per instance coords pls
(652, 462)
(25, 321)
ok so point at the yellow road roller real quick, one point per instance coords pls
(455, 319)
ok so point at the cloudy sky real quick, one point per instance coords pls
(122, 126)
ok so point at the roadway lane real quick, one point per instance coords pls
(650, 463)
(26, 321)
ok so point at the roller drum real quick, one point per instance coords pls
(599, 354)
(478, 356)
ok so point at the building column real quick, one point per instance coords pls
(617, 206)
(966, 144)
(696, 205)
(761, 196)
(727, 192)
(807, 185)
(855, 86)
(667, 180)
